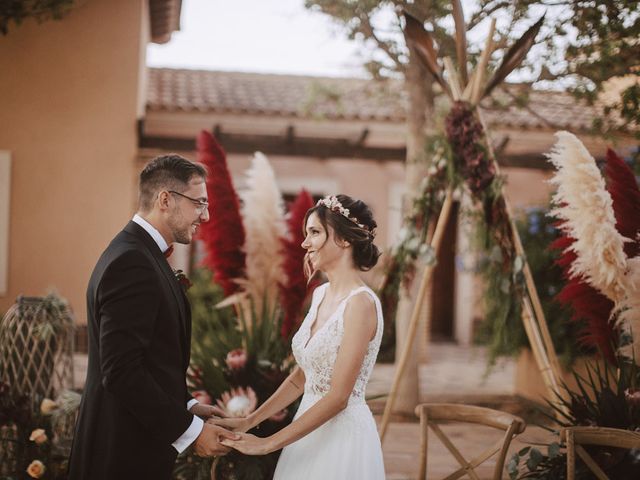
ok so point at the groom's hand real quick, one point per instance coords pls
(208, 442)
(203, 411)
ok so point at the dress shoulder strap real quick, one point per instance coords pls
(318, 293)
(376, 301)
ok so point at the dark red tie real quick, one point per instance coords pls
(168, 251)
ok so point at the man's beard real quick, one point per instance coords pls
(182, 236)
(181, 233)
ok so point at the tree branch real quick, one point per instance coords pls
(368, 31)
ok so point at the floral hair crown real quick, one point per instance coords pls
(333, 204)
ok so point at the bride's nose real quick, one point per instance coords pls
(305, 244)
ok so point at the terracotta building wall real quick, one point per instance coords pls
(69, 96)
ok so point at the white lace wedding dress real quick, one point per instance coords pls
(348, 445)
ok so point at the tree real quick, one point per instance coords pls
(18, 10)
(587, 46)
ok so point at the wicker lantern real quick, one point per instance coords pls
(36, 347)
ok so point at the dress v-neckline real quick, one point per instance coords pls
(315, 314)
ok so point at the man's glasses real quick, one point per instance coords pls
(202, 206)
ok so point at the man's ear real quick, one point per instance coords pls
(163, 200)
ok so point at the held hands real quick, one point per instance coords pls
(240, 424)
(203, 411)
(250, 444)
(209, 442)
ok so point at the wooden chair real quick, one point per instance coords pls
(432, 414)
(575, 437)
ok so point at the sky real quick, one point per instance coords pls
(282, 36)
(266, 36)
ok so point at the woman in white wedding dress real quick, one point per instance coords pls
(333, 434)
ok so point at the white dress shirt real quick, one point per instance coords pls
(189, 436)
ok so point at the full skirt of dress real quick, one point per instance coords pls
(347, 447)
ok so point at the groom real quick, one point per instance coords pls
(136, 414)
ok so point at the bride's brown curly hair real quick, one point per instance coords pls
(364, 252)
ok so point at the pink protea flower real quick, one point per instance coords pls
(236, 359)
(238, 402)
(202, 396)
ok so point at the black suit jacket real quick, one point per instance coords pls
(134, 401)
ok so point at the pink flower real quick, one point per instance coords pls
(48, 406)
(279, 416)
(238, 402)
(632, 396)
(202, 396)
(38, 436)
(236, 359)
(36, 469)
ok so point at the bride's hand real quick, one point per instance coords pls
(235, 424)
(250, 444)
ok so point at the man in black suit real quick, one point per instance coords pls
(136, 414)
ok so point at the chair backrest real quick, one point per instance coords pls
(432, 414)
(575, 437)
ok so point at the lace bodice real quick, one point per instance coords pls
(317, 356)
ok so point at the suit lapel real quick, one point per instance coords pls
(178, 294)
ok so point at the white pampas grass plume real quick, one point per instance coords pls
(263, 218)
(586, 208)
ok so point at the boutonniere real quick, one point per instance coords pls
(183, 280)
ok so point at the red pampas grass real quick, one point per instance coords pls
(223, 235)
(587, 305)
(294, 291)
(623, 187)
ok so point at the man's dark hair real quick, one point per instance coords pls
(166, 172)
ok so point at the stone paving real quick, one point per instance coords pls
(453, 374)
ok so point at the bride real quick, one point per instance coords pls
(333, 434)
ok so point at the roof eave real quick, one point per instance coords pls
(164, 16)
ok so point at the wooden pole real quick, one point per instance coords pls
(537, 346)
(453, 79)
(481, 68)
(533, 316)
(427, 275)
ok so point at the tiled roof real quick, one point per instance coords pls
(341, 98)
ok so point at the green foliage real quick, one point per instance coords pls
(552, 466)
(502, 329)
(17, 11)
(216, 331)
(604, 398)
(583, 44)
(412, 244)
